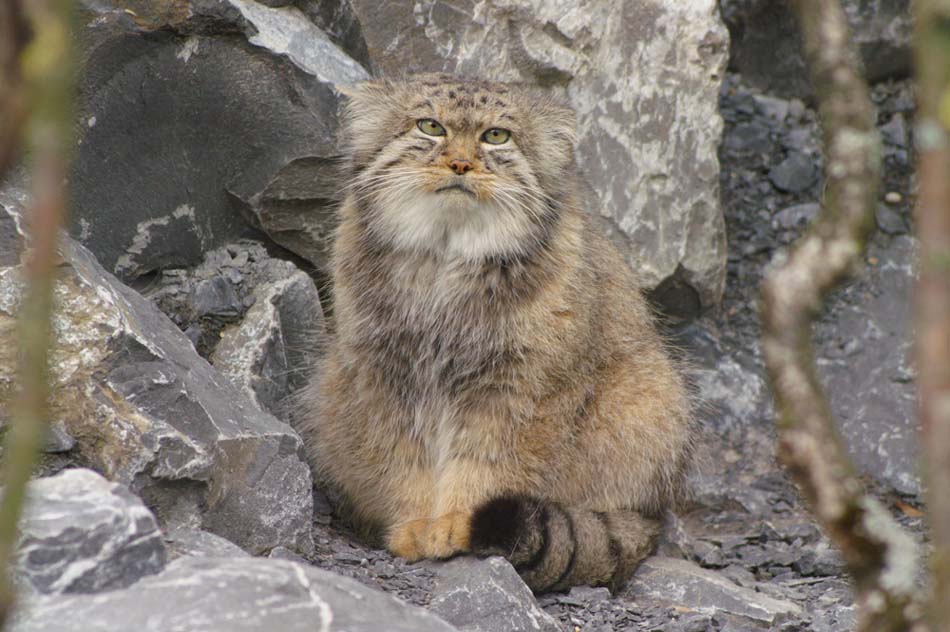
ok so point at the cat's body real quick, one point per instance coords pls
(494, 383)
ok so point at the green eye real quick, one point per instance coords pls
(496, 136)
(430, 127)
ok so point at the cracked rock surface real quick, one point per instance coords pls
(82, 534)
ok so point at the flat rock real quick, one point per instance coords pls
(486, 595)
(82, 534)
(686, 585)
(206, 594)
(146, 411)
(865, 357)
(644, 77)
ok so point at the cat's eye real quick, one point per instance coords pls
(430, 127)
(496, 136)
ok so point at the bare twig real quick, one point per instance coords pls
(879, 556)
(48, 82)
(933, 288)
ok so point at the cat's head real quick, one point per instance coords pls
(456, 166)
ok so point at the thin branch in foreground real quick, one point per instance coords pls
(933, 288)
(880, 557)
(48, 82)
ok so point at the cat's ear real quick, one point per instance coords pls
(559, 120)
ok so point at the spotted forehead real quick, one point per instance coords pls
(474, 101)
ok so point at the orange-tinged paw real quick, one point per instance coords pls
(407, 539)
(448, 535)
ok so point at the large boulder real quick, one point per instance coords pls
(146, 411)
(644, 78)
(231, 594)
(202, 122)
(83, 534)
(766, 46)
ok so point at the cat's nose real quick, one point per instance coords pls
(460, 166)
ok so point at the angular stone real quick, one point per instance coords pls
(644, 78)
(205, 594)
(248, 146)
(268, 354)
(148, 412)
(82, 534)
(679, 583)
(794, 174)
(485, 596)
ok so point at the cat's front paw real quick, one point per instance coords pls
(449, 535)
(407, 539)
(437, 538)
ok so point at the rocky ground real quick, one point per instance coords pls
(176, 493)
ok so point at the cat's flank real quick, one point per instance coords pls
(494, 383)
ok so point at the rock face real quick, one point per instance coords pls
(643, 77)
(684, 584)
(82, 534)
(230, 595)
(486, 595)
(231, 131)
(148, 412)
(766, 47)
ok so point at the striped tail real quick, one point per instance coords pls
(554, 547)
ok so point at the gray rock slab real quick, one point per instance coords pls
(234, 99)
(486, 595)
(865, 357)
(83, 534)
(204, 594)
(684, 584)
(644, 77)
(146, 411)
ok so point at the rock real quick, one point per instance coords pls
(262, 332)
(766, 47)
(896, 131)
(268, 354)
(683, 584)
(889, 220)
(248, 146)
(186, 541)
(82, 534)
(795, 217)
(644, 78)
(146, 411)
(795, 174)
(205, 594)
(486, 595)
(730, 384)
(865, 359)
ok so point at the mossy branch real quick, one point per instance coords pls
(879, 555)
(45, 75)
(933, 287)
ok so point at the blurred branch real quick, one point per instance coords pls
(13, 36)
(933, 288)
(47, 85)
(879, 555)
